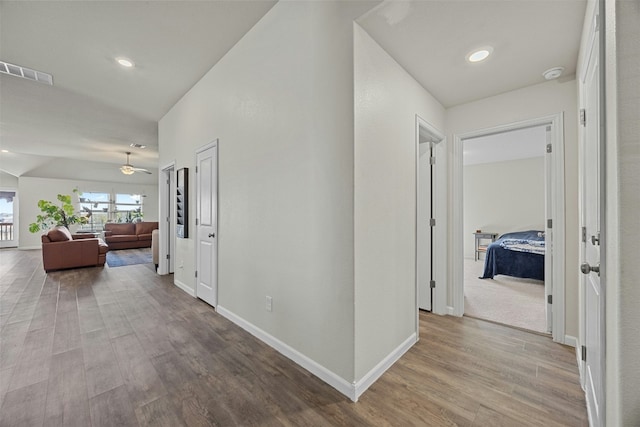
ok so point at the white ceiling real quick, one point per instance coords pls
(501, 147)
(431, 39)
(97, 108)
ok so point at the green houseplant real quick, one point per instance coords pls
(54, 214)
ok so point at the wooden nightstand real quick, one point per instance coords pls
(481, 246)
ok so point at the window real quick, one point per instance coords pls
(96, 207)
(128, 208)
(107, 207)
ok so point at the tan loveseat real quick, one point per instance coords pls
(61, 249)
(129, 235)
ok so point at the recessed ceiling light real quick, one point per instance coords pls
(553, 73)
(134, 145)
(480, 54)
(125, 62)
(5, 151)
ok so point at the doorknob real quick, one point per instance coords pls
(586, 268)
(212, 234)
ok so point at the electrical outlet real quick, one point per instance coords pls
(269, 303)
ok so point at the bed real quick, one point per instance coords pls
(518, 254)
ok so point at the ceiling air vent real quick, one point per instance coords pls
(26, 73)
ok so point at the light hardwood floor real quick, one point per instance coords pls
(123, 346)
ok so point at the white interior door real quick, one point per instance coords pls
(591, 197)
(424, 242)
(207, 223)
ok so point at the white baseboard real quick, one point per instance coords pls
(185, 288)
(571, 341)
(450, 310)
(28, 248)
(372, 376)
(331, 378)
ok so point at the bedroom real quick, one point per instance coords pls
(504, 202)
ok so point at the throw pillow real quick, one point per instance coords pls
(59, 234)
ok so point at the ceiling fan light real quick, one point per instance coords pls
(127, 170)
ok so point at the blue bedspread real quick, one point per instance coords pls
(514, 263)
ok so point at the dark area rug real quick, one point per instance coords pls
(124, 257)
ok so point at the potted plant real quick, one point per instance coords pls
(54, 214)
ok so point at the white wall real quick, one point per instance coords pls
(281, 104)
(622, 207)
(8, 180)
(30, 190)
(387, 101)
(501, 197)
(530, 103)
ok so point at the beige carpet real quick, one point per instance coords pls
(503, 299)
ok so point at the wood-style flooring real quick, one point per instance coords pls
(125, 347)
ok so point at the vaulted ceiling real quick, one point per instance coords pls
(96, 108)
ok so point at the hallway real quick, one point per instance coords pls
(123, 346)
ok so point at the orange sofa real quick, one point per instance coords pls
(61, 249)
(128, 235)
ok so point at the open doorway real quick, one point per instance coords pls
(553, 221)
(8, 218)
(504, 186)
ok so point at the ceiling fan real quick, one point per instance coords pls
(128, 169)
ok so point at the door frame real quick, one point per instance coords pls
(556, 121)
(439, 185)
(214, 143)
(16, 217)
(166, 226)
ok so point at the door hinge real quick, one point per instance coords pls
(167, 182)
(432, 222)
(583, 117)
(432, 284)
(196, 221)
(432, 160)
(196, 169)
(584, 234)
(196, 273)
(167, 256)
(584, 353)
(549, 223)
(549, 299)
(549, 148)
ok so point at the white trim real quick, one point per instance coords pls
(558, 199)
(331, 378)
(185, 288)
(207, 146)
(457, 245)
(451, 311)
(374, 374)
(164, 190)
(571, 341)
(28, 248)
(580, 363)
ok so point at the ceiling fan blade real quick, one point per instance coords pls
(141, 170)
